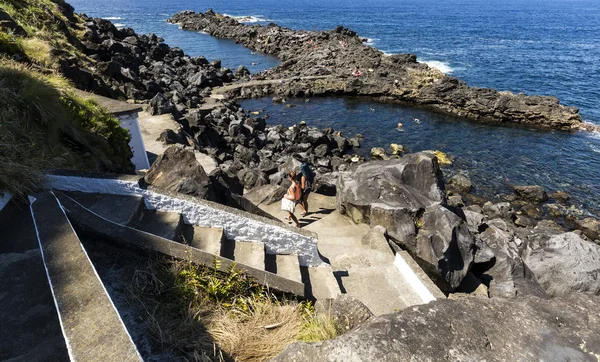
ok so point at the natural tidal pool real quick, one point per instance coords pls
(494, 157)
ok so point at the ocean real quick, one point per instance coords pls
(548, 47)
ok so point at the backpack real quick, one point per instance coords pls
(307, 172)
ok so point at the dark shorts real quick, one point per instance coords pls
(305, 194)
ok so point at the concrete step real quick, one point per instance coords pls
(92, 326)
(164, 224)
(205, 238)
(30, 326)
(287, 266)
(116, 208)
(321, 282)
(250, 253)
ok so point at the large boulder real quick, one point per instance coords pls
(445, 242)
(564, 263)
(469, 329)
(508, 275)
(391, 193)
(177, 170)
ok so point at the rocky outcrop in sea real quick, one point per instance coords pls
(329, 58)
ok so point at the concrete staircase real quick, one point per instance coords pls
(92, 329)
(319, 282)
(30, 329)
(364, 265)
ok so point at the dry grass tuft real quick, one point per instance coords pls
(243, 336)
(203, 315)
(39, 51)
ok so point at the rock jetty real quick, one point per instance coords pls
(330, 59)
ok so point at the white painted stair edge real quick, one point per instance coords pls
(413, 279)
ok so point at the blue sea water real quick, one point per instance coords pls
(549, 47)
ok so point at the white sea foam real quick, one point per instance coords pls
(441, 66)
(119, 25)
(248, 18)
(113, 18)
(370, 41)
(387, 54)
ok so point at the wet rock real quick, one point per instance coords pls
(378, 153)
(531, 193)
(396, 149)
(590, 227)
(501, 209)
(488, 329)
(460, 183)
(177, 170)
(335, 53)
(560, 196)
(524, 221)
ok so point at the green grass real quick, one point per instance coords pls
(43, 125)
(48, 30)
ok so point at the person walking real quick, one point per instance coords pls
(307, 177)
(291, 197)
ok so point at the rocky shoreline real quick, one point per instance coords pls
(450, 231)
(396, 78)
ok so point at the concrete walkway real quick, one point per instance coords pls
(151, 128)
(364, 267)
(219, 92)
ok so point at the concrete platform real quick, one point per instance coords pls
(92, 326)
(151, 128)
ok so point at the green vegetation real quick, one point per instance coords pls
(51, 29)
(203, 314)
(10, 43)
(43, 125)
